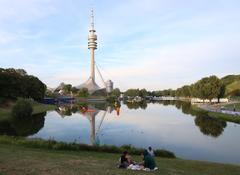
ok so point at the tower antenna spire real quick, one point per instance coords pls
(92, 19)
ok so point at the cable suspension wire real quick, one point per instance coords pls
(99, 126)
(105, 72)
(104, 83)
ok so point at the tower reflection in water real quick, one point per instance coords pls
(90, 112)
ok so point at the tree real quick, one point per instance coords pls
(132, 92)
(74, 90)
(207, 88)
(172, 93)
(186, 92)
(16, 83)
(22, 72)
(222, 91)
(67, 88)
(83, 92)
(143, 93)
(116, 92)
(34, 88)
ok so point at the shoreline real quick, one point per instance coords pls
(215, 114)
(37, 109)
(58, 145)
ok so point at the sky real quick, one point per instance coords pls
(152, 44)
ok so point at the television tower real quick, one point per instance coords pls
(92, 45)
(90, 84)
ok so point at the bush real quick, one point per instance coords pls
(22, 109)
(54, 145)
(164, 153)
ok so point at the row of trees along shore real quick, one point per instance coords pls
(15, 83)
(206, 88)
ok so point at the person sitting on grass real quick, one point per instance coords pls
(125, 160)
(148, 161)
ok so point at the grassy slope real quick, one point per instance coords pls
(20, 160)
(232, 87)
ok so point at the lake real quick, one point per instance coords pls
(170, 125)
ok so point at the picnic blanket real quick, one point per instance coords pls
(138, 167)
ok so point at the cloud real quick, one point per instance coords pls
(150, 43)
(187, 61)
(25, 10)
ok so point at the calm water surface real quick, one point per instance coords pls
(169, 125)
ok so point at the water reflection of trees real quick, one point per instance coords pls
(22, 126)
(208, 125)
(136, 105)
(70, 109)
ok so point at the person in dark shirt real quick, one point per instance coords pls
(125, 160)
(148, 160)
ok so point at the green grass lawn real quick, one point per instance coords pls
(232, 87)
(16, 159)
(37, 108)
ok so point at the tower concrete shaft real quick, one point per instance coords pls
(92, 73)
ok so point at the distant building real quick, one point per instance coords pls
(109, 86)
(215, 100)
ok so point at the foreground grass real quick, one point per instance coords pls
(21, 160)
(37, 108)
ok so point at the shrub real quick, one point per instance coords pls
(164, 153)
(54, 145)
(22, 109)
